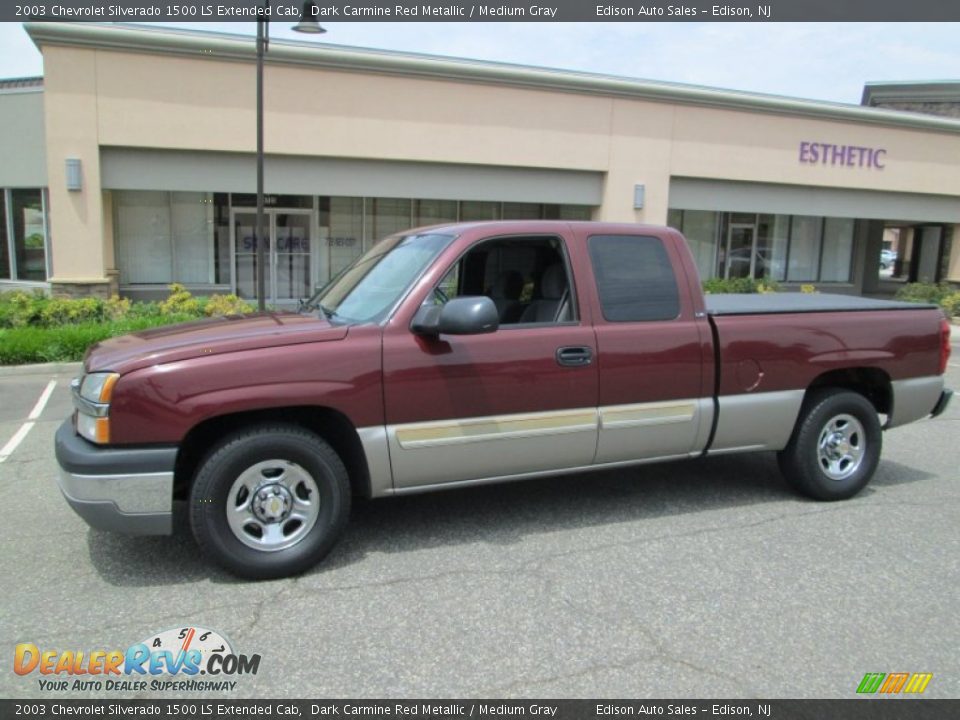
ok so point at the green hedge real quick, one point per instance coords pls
(67, 343)
(942, 294)
(36, 328)
(717, 286)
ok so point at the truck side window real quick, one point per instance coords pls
(634, 278)
(526, 277)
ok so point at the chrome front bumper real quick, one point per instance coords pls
(127, 491)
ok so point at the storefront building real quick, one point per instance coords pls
(131, 166)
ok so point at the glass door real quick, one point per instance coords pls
(741, 253)
(288, 255)
(244, 224)
(290, 258)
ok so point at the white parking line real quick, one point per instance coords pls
(24, 429)
(42, 402)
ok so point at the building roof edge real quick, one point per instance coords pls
(241, 48)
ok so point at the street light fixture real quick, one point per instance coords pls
(308, 24)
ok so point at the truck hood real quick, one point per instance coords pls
(208, 337)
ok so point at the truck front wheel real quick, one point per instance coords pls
(269, 501)
(835, 447)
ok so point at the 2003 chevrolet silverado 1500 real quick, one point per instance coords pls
(473, 353)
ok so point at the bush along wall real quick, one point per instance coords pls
(942, 294)
(37, 328)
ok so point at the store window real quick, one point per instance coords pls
(471, 210)
(837, 250)
(699, 227)
(341, 234)
(4, 248)
(164, 237)
(23, 253)
(522, 211)
(386, 216)
(765, 246)
(773, 239)
(434, 212)
(805, 236)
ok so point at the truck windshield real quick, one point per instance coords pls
(368, 289)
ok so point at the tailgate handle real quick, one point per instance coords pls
(574, 356)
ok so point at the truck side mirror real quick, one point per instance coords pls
(459, 316)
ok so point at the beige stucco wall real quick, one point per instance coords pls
(76, 218)
(112, 98)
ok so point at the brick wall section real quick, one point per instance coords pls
(80, 290)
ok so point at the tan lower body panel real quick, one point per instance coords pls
(470, 450)
(650, 430)
(456, 450)
(467, 449)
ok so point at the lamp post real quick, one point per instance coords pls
(308, 24)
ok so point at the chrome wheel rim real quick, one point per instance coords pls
(272, 505)
(841, 447)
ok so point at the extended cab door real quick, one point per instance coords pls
(655, 353)
(519, 400)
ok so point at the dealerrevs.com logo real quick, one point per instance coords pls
(170, 661)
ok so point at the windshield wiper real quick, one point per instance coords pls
(327, 312)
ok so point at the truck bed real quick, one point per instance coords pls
(780, 303)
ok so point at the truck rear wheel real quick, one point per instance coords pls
(835, 447)
(269, 501)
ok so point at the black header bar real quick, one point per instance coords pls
(494, 11)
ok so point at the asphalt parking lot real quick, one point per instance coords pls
(705, 578)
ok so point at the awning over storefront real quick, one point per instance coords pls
(145, 169)
(732, 196)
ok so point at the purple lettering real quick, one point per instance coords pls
(818, 153)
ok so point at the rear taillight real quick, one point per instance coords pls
(944, 345)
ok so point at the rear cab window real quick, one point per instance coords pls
(635, 278)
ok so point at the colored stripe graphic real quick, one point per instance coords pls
(918, 682)
(894, 683)
(870, 683)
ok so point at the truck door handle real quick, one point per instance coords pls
(574, 356)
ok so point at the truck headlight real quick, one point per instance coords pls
(98, 387)
(91, 396)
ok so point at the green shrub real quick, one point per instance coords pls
(19, 308)
(63, 311)
(924, 292)
(717, 286)
(36, 328)
(68, 343)
(117, 308)
(226, 305)
(180, 302)
(951, 304)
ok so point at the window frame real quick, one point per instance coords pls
(577, 319)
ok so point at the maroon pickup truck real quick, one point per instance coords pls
(475, 353)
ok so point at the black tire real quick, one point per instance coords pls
(826, 474)
(253, 453)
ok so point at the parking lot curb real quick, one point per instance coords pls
(58, 368)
